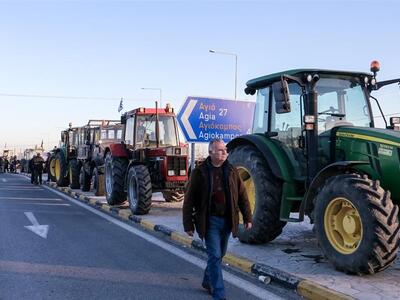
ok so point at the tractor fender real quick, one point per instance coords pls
(118, 150)
(272, 153)
(327, 172)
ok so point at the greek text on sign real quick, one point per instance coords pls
(203, 119)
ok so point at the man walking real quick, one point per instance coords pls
(38, 162)
(213, 198)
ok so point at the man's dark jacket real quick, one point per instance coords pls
(198, 197)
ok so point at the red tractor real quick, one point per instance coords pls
(149, 159)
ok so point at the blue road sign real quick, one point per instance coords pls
(204, 119)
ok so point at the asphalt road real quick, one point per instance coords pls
(82, 255)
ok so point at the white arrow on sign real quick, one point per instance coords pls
(40, 230)
(185, 118)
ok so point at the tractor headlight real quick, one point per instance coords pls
(171, 172)
(182, 172)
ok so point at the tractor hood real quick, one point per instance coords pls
(378, 135)
(379, 147)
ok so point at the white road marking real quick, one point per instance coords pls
(22, 198)
(228, 277)
(4, 180)
(40, 230)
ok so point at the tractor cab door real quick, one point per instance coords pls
(285, 128)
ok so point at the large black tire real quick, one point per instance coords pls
(73, 173)
(139, 190)
(115, 168)
(356, 224)
(173, 196)
(266, 197)
(61, 170)
(98, 182)
(51, 172)
(84, 180)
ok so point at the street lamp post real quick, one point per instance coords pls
(236, 59)
(155, 89)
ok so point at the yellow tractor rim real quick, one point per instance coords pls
(250, 189)
(343, 225)
(52, 167)
(57, 169)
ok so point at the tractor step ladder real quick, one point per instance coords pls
(301, 214)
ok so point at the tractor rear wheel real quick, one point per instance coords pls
(173, 196)
(84, 180)
(356, 224)
(115, 176)
(97, 183)
(139, 190)
(61, 170)
(264, 192)
(74, 171)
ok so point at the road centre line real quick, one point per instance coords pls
(228, 277)
(47, 204)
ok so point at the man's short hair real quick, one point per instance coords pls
(212, 142)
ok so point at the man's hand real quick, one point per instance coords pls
(248, 226)
(190, 233)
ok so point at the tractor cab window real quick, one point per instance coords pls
(96, 136)
(260, 123)
(119, 134)
(111, 134)
(103, 134)
(341, 102)
(129, 126)
(146, 131)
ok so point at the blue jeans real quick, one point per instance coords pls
(216, 238)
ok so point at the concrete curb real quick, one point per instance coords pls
(305, 288)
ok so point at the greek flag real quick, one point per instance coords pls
(120, 107)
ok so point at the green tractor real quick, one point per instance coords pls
(314, 151)
(63, 162)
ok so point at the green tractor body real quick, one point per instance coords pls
(314, 151)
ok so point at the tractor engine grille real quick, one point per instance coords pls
(176, 163)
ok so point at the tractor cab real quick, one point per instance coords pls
(151, 128)
(315, 103)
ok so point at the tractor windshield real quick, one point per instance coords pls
(146, 131)
(341, 101)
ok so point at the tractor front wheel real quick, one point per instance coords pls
(98, 182)
(84, 180)
(52, 166)
(115, 176)
(356, 224)
(139, 190)
(74, 172)
(61, 170)
(264, 193)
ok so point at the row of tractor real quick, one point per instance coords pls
(125, 159)
(314, 152)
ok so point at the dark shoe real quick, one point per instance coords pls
(207, 287)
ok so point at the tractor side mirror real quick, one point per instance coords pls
(280, 91)
(395, 123)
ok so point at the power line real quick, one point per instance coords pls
(58, 97)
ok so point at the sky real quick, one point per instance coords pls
(92, 53)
